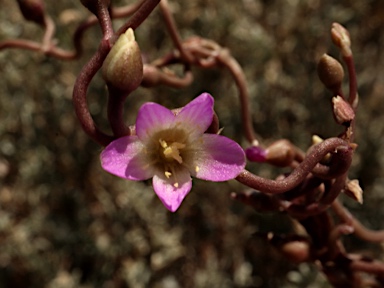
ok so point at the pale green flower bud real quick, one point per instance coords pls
(123, 67)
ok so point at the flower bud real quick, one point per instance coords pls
(330, 72)
(33, 10)
(123, 67)
(354, 191)
(280, 153)
(340, 37)
(342, 111)
(296, 251)
(255, 154)
(317, 140)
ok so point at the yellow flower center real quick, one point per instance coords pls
(168, 151)
(172, 151)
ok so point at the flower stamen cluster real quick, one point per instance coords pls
(172, 151)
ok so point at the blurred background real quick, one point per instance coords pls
(64, 222)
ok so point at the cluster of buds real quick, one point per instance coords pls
(331, 74)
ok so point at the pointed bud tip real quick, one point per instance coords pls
(340, 37)
(354, 191)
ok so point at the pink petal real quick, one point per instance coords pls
(170, 195)
(151, 118)
(197, 115)
(124, 158)
(218, 158)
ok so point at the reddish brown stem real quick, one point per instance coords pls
(359, 230)
(92, 20)
(140, 15)
(48, 34)
(104, 18)
(21, 44)
(368, 267)
(90, 69)
(353, 94)
(154, 76)
(238, 75)
(303, 211)
(115, 112)
(170, 22)
(297, 176)
(80, 95)
(124, 11)
(35, 46)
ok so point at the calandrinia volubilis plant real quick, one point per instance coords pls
(170, 148)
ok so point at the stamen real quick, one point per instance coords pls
(163, 143)
(172, 151)
(168, 174)
(197, 169)
(174, 176)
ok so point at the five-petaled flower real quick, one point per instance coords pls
(171, 147)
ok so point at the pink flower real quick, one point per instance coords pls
(171, 148)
